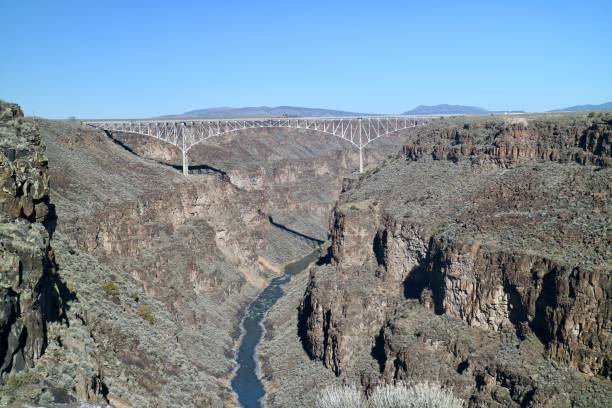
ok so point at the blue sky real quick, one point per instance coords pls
(144, 58)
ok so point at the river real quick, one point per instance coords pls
(246, 383)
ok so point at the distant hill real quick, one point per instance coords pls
(445, 109)
(264, 111)
(586, 108)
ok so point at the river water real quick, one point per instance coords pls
(246, 382)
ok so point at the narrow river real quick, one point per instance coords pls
(246, 382)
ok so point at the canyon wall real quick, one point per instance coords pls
(477, 258)
(156, 269)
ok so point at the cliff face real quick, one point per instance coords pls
(566, 307)
(477, 258)
(27, 292)
(518, 141)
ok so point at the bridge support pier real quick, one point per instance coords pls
(360, 160)
(185, 163)
(360, 148)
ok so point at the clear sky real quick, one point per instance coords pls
(124, 58)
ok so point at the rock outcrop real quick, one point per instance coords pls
(28, 295)
(566, 307)
(518, 141)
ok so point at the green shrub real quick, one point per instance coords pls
(110, 288)
(135, 296)
(16, 381)
(146, 313)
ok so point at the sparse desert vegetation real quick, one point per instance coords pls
(413, 395)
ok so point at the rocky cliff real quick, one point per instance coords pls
(478, 258)
(517, 140)
(28, 294)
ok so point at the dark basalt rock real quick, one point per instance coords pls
(28, 297)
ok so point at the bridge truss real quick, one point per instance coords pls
(184, 134)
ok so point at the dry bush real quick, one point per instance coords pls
(416, 395)
(340, 397)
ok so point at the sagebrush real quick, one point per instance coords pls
(401, 395)
(416, 395)
(340, 397)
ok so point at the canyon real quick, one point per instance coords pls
(474, 252)
(155, 269)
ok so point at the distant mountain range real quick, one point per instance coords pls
(296, 111)
(586, 108)
(445, 109)
(265, 111)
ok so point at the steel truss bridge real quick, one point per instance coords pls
(184, 134)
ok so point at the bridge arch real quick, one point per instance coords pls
(269, 127)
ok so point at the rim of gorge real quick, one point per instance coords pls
(474, 252)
